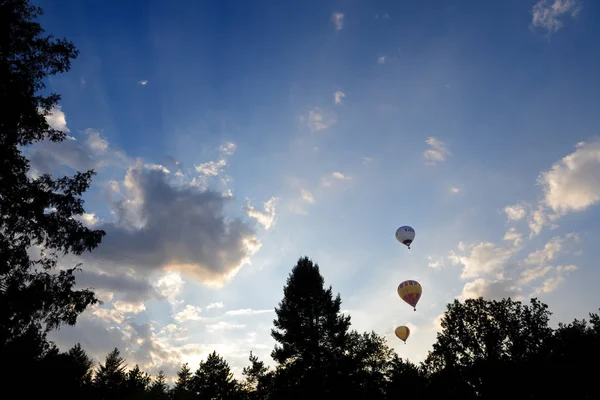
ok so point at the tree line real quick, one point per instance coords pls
(485, 349)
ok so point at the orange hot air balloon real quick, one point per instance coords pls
(410, 292)
(403, 333)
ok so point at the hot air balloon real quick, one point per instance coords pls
(410, 292)
(405, 235)
(403, 333)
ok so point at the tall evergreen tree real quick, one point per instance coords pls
(34, 297)
(158, 389)
(183, 389)
(310, 331)
(110, 377)
(213, 379)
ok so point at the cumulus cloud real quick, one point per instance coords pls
(454, 190)
(381, 60)
(437, 151)
(548, 14)
(338, 97)
(57, 119)
(160, 226)
(143, 82)
(214, 305)
(319, 120)
(484, 259)
(134, 288)
(265, 218)
(573, 183)
(516, 212)
(338, 20)
(497, 276)
(307, 196)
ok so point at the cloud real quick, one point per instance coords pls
(247, 311)
(381, 60)
(265, 218)
(57, 119)
(513, 236)
(214, 305)
(516, 212)
(160, 226)
(488, 289)
(435, 264)
(573, 183)
(335, 176)
(547, 14)
(143, 82)
(134, 288)
(484, 259)
(228, 148)
(319, 120)
(454, 190)
(307, 196)
(437, 151)
(338, 20)
(169, 286)
(189, 313)
(338, 96)
(223, 325)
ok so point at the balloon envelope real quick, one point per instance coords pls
(402, 332)
(405, 235)
(410, 292)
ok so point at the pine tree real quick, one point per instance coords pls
(110, 377)
(183, 389)
(159, 389)
(310, 330)
(35, 298)
(213, 379)
(256, 375)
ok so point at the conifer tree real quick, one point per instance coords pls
(183, 389)
(310, 330)
(159, 389)
(213, 379)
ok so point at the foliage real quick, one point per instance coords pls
(36, 212)
(485, 349)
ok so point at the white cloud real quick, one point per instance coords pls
(223, 325)
(307, 196)
(319, 120)
(169, 286)
(573, 183)
(548, 253)
(437, 151)
(533, 274)
(143, 82)
(214, 305)
(228, 148)
(57, 119)
(189, 313)
(513, 236)
(435, 264)
(516, 212)
(211, 168)
(454, 189)
(485, 259)
(338, 20)
(338, 96)
(547, 14)
(490, 290)
(335, 176)
(381, 60)
(265, 218)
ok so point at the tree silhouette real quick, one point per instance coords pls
(257, 380)
(159, 390)
(110, 377)
(213, 379)
(34, 211)
(310, 331)
(183, 389)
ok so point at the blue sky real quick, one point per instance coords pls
(232, 138)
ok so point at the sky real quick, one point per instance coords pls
(232, 138)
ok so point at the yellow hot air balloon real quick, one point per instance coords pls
(410, 292)
(403, 333)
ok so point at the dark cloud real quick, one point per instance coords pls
(181, 228)
(134, 289)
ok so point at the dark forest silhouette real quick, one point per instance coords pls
(486, 349)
